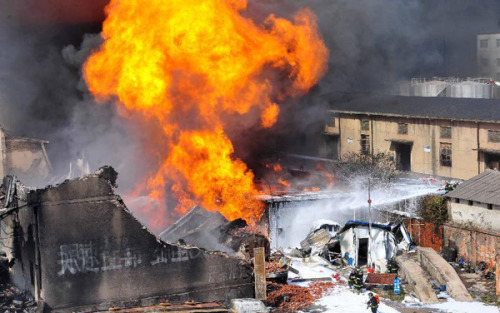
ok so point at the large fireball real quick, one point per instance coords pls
(185, 64)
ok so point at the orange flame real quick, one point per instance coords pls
(284, 182)
(277, 168)
(187, 63)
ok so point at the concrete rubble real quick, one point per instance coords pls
(444, 273)
(416, 280)
(211, 231)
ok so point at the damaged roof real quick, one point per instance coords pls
(484, 188)
(421, 107)
(353, 223)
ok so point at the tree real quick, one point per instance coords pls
(358, 167)
(433, 209)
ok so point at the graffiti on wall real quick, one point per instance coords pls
(166, 255)
(225, 272)
(85, 258)
(79, 258)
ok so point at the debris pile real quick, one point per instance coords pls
(320, 289)
(14, 300)
(277, 267)
(211, 231)
(288, 298)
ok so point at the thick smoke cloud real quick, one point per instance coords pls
(42, 96)
(374, 43)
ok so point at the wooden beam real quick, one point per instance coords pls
(260, 273)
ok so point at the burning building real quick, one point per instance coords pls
(76, 246)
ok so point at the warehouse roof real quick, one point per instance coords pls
(484, 188)
(468, 109)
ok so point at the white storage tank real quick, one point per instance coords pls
(470, 89)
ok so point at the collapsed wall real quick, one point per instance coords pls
(87, 250)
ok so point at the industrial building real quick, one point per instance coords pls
(488, 55)
(440, 136)
(453, 87)
(24, 157)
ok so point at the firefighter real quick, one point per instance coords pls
(352, 278)
(372, 302)
(392, 266)
(358, 280)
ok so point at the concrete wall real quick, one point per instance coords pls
(2, 153)
(416, 279)
(424, 136)
(477, 214)
(94, 254)
(17, 240)
(443, 273)
(473, 245)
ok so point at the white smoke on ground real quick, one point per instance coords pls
(294, 220)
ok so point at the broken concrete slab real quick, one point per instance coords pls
(443, 273)
(414, 275)
(213, 232)
(317, 240)
(79, 248)
(196, 221)
(248, 306)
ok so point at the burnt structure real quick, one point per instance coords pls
(25, 157)
(76, 247)
(211, 231)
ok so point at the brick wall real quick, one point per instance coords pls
(425, 234)
(472, 245)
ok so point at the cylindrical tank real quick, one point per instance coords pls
(470, 89)
(428, 89)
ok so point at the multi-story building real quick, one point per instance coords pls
(447, 137)
(488, 55)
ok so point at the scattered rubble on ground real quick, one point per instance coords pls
(14, 300)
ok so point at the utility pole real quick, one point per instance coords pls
(370, 223)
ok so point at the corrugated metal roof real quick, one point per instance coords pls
(468, 109)
(484, 188)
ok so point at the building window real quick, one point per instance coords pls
(470, 202)
(365, 124)
(403, 128)
(457, 200)
(365, 144)
(498, 43)
(498, 61)
(484, 62)
(445, 154)
(493, 136)
(330, 122)
(490, 206)
(445, 132)
(483, 43)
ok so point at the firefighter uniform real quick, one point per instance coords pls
(351, 279)
(358, 281)
(372, 303)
